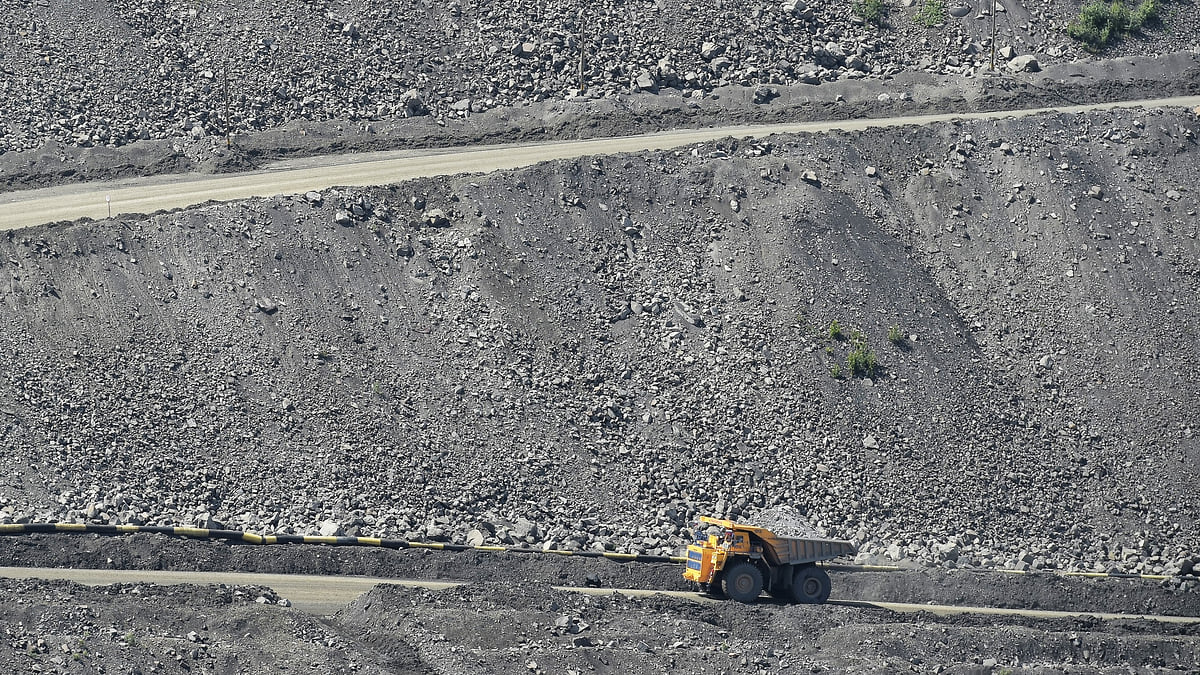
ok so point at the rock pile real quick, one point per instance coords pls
(111, 72)
(785, 521)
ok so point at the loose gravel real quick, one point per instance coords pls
(589, 354)
(105, 73)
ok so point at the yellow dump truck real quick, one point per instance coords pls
(743, 561)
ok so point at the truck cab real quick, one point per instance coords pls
(742, 560)
(709, 554)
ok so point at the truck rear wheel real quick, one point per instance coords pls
(743, 582)
(810, 585)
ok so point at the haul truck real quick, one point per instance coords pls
(744, 560)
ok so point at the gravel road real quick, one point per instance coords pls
(97, 201)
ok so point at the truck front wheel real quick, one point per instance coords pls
(743, 582)
(810, 585)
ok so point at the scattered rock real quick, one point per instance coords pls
(1024, 64)
(764, 94)
(436, 218)
(266, 305)
(646, 82)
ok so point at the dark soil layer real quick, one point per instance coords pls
(487, 628)
(946, 587)
(143, 628)
(521, 628)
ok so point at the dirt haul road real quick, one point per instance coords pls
(325, 595)
(96, 200)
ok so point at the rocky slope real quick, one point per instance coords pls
(109, 72)
(591, 353)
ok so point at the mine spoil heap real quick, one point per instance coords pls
(588, 354)
(111, 72)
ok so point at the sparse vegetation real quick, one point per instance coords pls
(1145, 14)
(870, 11)
(1100, 23)
(896, 336)
(861, 361)
(932, 13)
(835, 330)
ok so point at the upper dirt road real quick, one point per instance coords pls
(147, 195)
(325, 595)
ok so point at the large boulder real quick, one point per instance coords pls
(1026, 63)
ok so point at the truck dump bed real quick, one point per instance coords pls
(799, 551)
(788, 550)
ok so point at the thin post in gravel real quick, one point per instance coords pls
(225, 87)
(582, 55)
(994, 35)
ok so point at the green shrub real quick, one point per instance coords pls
(1100, 23)
(836, 371)
(1145, 14)
(895, 336)
(861, 361)
(835, 330)
(932, 13)
(871, 11)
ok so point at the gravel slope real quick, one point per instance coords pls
(592, 353)
(109, 72)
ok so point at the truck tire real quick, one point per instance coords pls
(743, 582)
(811, 585)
